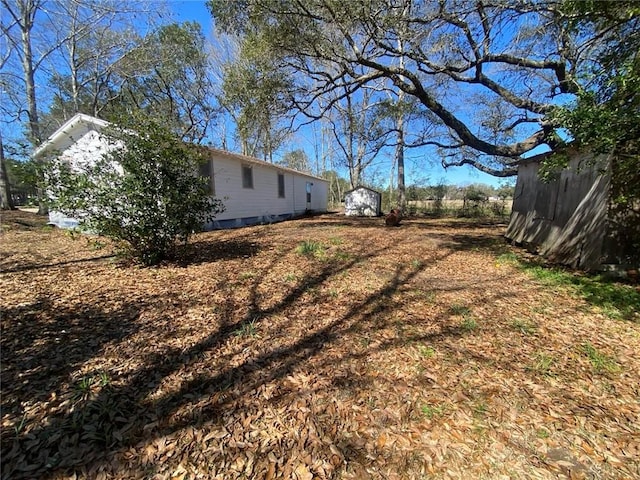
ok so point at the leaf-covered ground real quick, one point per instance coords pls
(410, 352)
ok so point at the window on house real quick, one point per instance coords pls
(206, 170)
(281, 185)
(247, 176)
(309, 192)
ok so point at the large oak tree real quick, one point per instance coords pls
(492, 72)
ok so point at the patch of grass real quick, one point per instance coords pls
(426, 351)
(416, 264)
(248, 329)
(526, 327)
(543, 309)
(601, 363)
(84, 386)
(469, 324)
(290, 277)
(432, 411)
(459, 309)
(548, 275)
(542, 364)
(616, 300)
(103, 379)
(427, 295)
(311, 248)
(19, 427)
(480, 409)
(342, 256)
(246, 275)
(507, 258)
(335, 241)
(542, 433)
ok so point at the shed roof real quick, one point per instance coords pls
(362, 187)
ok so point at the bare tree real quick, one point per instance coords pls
(95, 38)
(359, 130)
(22, 14)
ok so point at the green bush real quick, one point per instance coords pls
(145, 193)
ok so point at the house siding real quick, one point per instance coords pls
(242, 202)
(88, 148)
(80, 147)
(80, 142)
(262, 203)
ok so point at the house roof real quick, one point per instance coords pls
(82, 120)
(257, 161)
(74, 123)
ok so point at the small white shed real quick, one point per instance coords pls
(362, 202)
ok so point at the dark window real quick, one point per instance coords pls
(309, 192)
(280, 185)
(247, 176)
(206, 170)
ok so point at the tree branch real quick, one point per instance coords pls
(510, 171)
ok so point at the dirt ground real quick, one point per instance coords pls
(397, 353)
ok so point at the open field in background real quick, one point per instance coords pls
(458, 208)
(496, 209)
(324, 347)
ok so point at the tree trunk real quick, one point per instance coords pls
(5, 188)
(402, 196)
(28, 9)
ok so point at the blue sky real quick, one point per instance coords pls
(419, 167)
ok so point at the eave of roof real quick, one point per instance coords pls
(257, 161)
(74, 121)
(362, 187)
(66, 127)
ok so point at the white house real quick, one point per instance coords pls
(362, 202)
(253, 191)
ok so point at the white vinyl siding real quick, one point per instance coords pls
(263, 199)
(260, 200)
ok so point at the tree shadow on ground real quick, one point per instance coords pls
(43, 343)
(213, 250)
(495, 244)
(25, 267)
(458, 223)
(120, 415)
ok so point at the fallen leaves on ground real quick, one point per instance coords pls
(394, 353)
